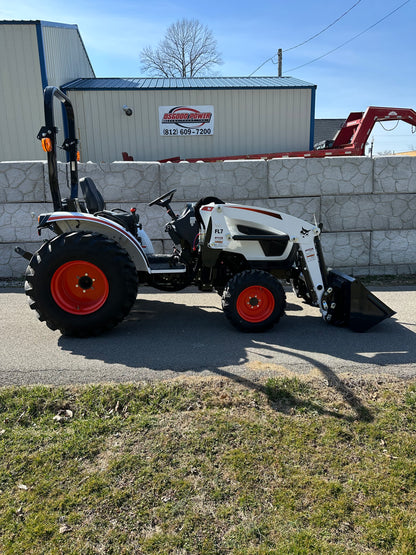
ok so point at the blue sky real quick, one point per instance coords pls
(376, 68)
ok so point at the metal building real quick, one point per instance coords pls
(149, 118)
(33, 54)
(155, 119)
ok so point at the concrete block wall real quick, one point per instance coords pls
(367, 206)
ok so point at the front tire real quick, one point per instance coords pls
(81, 283)
(253, 301)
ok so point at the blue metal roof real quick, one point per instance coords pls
(152, 83)
(38, 21)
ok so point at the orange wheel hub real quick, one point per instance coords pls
(79, 287)
(255, 304)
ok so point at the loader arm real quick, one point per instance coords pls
(342, 300)
(227, 220)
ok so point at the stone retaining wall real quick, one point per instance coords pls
(367, 206)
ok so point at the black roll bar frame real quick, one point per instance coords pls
(49, 130)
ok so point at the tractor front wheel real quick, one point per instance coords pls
(81, 283)
(253, 300)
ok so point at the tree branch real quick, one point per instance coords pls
(188, 49)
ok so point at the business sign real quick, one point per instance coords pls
(185, 121)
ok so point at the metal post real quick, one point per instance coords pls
(279, 62)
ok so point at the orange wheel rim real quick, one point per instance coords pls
(255, 304)
(79, 287)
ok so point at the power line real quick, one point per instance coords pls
(307, 40)
(323, 30)
(351, 39)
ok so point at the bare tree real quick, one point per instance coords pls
(188, 49)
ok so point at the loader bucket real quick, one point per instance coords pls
(352, 304)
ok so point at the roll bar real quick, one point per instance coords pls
(47, 135)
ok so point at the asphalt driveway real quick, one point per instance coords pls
(172, 334)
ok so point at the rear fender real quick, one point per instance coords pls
(64, 222)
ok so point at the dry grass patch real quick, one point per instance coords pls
(209, 466)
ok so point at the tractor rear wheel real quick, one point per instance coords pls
(253, 300)
(81, 283)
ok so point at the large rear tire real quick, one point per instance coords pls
(253, 301)
(81, 283)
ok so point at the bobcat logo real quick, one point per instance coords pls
(305, 232)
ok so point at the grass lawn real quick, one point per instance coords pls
(209, 466)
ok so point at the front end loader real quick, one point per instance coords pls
(84, 280)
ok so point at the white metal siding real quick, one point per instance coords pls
(21, 106)
(247, 121)
(65, 57)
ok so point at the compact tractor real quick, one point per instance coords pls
(84, 280)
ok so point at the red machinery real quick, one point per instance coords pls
(350, 139)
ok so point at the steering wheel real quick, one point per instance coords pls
(163, 200)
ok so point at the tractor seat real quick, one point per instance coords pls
(96, 205)
(93, 198)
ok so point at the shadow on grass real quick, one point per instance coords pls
(173, 338)
(283, 397)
